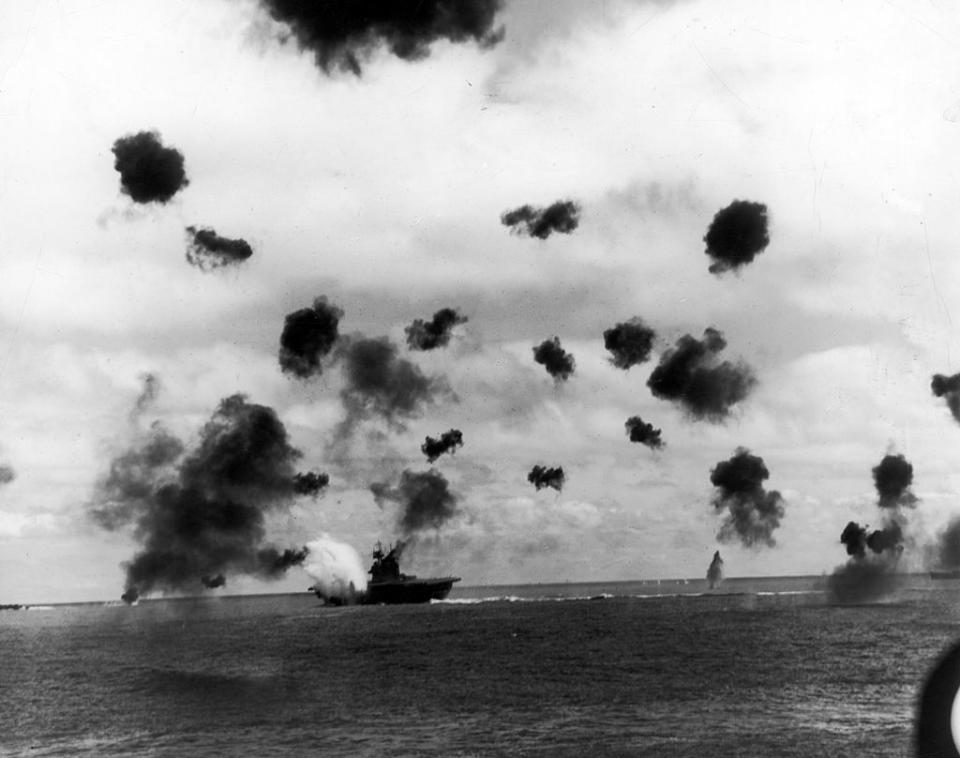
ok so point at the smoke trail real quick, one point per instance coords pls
(738, 233)
(630, 342)
(691, 375)
(640, 431)
(428, 335)
(207, 250)
(541, 476)
(752, 512)
(424, 497)
(151, 388)
(341, 35)
(434, 447)
(562, 217)
(870, 572)
(308, 335)
(715, 571)
(558, 362)
(948, 387)
(336, 569)
(202, 513)
(380, 384)
(149, 172)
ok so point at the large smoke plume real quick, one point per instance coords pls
(149, 172)
(870, 572)
(630, 343)
(207, 250)
(543, 476)
(428, 335)
(562, 217)
(948, 387)
(737, 234)
(449, 441)
(752, 513)
(715, 570)
(309, 334)
(640, 431)
(342, 35)
(201, 513)
(557, 361)
(424, 498)
(336, 569)
(691, 375)
(948, 546)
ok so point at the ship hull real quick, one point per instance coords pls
(407, 591)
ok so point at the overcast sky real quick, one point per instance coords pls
(384, 192)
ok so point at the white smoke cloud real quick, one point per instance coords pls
(336, 568)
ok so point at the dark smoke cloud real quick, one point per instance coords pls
(207, 250)
(948, 546)
(310, 483)
(558, 362)
(737, 234)
(149, 172)
(427, 335)
(715, 571)
(212, 582)
(871, 570)
(630, 342)
(434, 447)
(691, 375)
(892, 478)
(202, 514)
(424, 497)
(7, 474)
(308, 335)
(341, 35)
(541, 476)
(948, 387)
(640, 431)
(378, 383)
(562, 217)
(752, 512)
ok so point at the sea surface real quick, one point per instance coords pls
(758, 667)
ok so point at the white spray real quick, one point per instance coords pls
(336, 568)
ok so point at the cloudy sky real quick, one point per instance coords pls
(383, 192)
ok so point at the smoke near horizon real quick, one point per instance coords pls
(737, 234)
(207, 250)
(429, 335)
(562, 217)
(948, 387)
(308, 335)
(715, 570)
(344, 35)
(149, 172)
(948, 545)
(752, 513)
(449, 441)
(630, 342)
(870, 571)
(640, 431)
(543, 476)
(201, 512)
(424, 497)
(336, 568)
(557, 361)
(691, 375)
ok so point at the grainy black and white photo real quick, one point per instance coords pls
(479, 378)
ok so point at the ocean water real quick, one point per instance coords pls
(757, 668)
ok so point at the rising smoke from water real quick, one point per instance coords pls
(449, 441)
(715, 570)
(737, 235)
(149, 172)
(691, 375)
(752, 513)
(336, 569)
(201, 512)
(629, 343)
(342, 35)
(557, 361)
(207, 250)
(429, 335)
(871, 570)
(562, 217)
